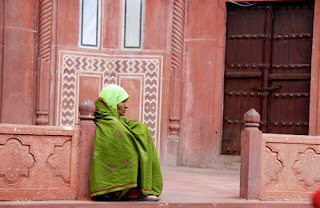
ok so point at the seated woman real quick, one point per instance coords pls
(125, 164)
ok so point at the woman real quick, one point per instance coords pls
(125, 164)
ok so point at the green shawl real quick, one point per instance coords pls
(124, 155)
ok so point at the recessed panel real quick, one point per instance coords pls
(134, 87)
(89, 87)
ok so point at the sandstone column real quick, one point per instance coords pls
(19, 61)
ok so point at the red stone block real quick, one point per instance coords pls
(18, 76)
(1, 49)
(156, 25)
(20, 14)
(290, 166)
(38, 163)
(68, 23)
(197, 105)
(111, 30)
(201, 19)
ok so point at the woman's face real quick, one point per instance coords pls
(122, 107)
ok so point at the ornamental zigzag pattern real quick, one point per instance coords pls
(110, 67)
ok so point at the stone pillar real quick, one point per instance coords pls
(177, 46)
(251, 138)
(88, 130)
(1, 49)
(18, 61)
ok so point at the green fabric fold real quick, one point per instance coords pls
(124, 155)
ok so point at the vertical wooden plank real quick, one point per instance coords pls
(292, 47)
(243, 70)
(267, 65)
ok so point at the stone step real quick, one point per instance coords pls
(239, 203)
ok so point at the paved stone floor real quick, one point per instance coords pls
(182, 184)
(199, 185)
(183, 187)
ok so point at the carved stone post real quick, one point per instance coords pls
(88, 130)
(251, 138)
(44, 54)
(177, 46)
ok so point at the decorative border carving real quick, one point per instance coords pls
(45, 29)
(177, 43)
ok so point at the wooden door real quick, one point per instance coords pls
(268, 67)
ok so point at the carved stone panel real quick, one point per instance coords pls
(38, 163)
(290, 166)
(273, 167)
(307, 169)
(60, 161)
(18, 160)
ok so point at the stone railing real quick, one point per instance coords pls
(88, 130)
(38, 162)
(277, 166)
(47, 162)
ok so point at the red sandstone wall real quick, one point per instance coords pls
(203, 83)
(1, 47)
(21, 101)
(156, 42)
(19, 61)
(68, 24)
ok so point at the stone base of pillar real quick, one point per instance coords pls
(172, 150)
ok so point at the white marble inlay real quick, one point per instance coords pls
(112, 70)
